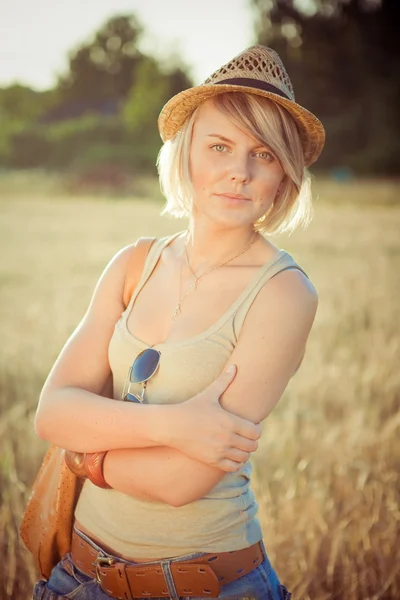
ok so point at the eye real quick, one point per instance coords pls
(218, 147)
(266, 155)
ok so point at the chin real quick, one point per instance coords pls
(230, 219)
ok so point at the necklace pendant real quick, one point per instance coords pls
(176, 312)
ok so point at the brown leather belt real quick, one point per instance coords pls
(201, 576)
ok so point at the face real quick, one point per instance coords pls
(226, 161)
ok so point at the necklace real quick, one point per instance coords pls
(194, 285)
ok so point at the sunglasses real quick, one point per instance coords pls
(142, 369)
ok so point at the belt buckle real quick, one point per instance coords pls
(101, 561)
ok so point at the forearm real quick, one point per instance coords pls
(160, 474)
(79, 420)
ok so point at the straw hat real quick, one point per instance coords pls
(257, 70)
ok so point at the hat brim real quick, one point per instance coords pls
(179, 107)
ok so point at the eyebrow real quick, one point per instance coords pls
(221, 137)
(225, 139)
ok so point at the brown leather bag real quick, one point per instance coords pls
(46, 526)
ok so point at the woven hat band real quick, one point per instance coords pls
(254, 83)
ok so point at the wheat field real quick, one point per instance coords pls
(327, 469)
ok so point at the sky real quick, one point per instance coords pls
(36, 35)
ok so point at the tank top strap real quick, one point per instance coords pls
(284, 262)
(149, 264)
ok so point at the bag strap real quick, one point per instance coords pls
(135, 266)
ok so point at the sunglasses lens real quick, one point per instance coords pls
(132, 398)
(145, 365)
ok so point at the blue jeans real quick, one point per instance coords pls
(66, 581)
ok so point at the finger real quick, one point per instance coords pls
(243, 443)
(248, 429)
(223, 380)
(237, 455)
(230, 466)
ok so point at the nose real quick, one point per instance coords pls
(239, 169)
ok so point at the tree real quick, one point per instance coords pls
(104, 110)
(21, 103)
(152, 90)
(105, 67)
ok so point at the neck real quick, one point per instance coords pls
(207, 247)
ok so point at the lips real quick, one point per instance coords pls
(234, 196)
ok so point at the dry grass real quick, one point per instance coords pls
(327, 471)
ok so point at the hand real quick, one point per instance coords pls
(202, 429)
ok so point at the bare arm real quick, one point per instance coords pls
(72, 413)
(270, 347)
(160, 474)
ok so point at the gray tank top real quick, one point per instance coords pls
(225, 519)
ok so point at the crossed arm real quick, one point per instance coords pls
(270, 347)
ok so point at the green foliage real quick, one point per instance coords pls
(71, 139)
(152, 90)
(140, 112)
(29, 148)
(103, 111)
(22, 142)
(9, 128)
(146, 98)
(21, 103)
(78, 144)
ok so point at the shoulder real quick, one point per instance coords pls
(121, 260)
(287, 296)
(290, 287)
(114, 272)
(293, 283)
(291, 279)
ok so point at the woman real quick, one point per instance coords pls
(173, 514)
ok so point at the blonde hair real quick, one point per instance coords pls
(270, 124)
